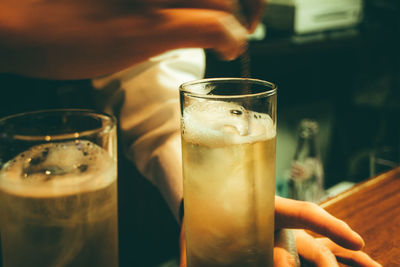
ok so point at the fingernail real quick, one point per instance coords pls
(361, 240)
(376, 264)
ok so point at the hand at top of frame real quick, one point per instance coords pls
(251, 10)
(72, 39)
(339, 244)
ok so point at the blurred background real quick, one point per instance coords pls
(335, 62)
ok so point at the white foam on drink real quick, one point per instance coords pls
(218, 123)
(58, 169)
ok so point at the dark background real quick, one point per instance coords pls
(348, 80)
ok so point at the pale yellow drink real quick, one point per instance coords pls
(58, 207)
(229, 182)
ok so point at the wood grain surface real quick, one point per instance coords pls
(372, 208)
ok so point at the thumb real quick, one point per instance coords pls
(234, 41)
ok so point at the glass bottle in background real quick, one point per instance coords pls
(306, 173)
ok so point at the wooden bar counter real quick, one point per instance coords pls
(372, 208)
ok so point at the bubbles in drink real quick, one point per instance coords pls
(218, 123)
(59, 206)
(53, 165)
(229, 167)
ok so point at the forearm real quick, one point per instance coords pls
(72, 44)
(75, 40)
(147, 99)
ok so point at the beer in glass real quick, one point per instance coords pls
(58, 189)
(228, 129)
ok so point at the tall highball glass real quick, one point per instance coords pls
(228, 128)
(58, 189)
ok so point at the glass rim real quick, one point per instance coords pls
(183, 88)
(106, 128)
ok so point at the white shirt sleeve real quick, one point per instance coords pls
(146, 98)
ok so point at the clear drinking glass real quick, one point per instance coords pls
(58, 189)
(228, 128)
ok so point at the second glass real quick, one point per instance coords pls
(58, 189)
(228, 131)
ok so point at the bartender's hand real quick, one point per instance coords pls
(339, 244)
(250, 10)
(71, 39)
